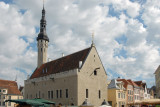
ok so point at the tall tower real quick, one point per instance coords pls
(42, 41)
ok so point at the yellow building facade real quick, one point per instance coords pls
(116, 94)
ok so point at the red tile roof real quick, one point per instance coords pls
(125, 82)
(139, 83)
(62, 64)
(11, 86)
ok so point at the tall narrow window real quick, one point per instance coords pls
(86, 93)
(51, 94)
(60, 93)
(39, 94)
(99, 94)
(66, 93)
(119, 95)
(57, 93)
(48, 94)
(95, 72)
(9, 98)
(41, 49)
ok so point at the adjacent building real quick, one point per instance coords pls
(70, 79)
(157, 80)
(136, 91)
(142, 89)
(8, 90)
(21, 89)
(152, 92)
(129, 88)
(117, 94)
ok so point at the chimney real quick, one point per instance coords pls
(80, 64)
(49, 59)
(62, 54)
(28, 76)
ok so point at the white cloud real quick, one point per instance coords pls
(132, 8)
(151, 17)
(13, 47)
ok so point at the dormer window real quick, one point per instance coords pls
(4, 91)
(95, 72)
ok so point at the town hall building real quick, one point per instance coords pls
(70, 79)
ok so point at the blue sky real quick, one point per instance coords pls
(126, 35)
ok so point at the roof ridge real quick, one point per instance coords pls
(66, 55)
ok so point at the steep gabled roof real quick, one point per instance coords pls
(140, 84)
(62, 64)
(11, 86)
(134, 84)
(157, 69)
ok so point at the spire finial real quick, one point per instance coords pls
(92, 38)
(43, 4)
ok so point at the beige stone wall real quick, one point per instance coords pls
(42, 52)
(94, 83)
(61, 82)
